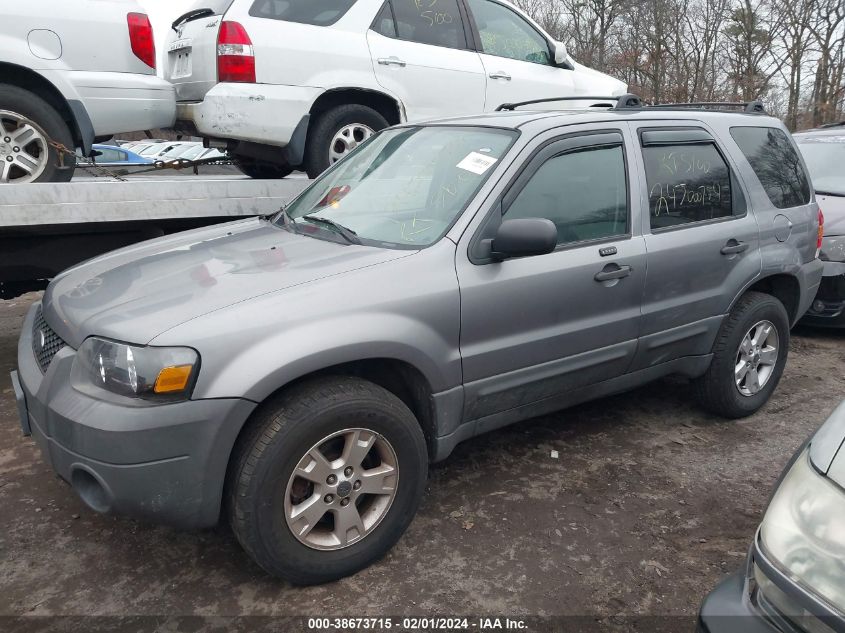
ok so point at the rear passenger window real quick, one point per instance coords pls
(435, 22)
(315, 12)
(584, 192)
(686, 183)
(776, 164)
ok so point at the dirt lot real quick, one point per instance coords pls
(648, 505)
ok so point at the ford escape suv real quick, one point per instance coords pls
(296, 84)
(296, 374)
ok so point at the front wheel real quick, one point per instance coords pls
(337, 132)
(326, 479)
(748, 357)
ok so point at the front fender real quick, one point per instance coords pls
(262, 368)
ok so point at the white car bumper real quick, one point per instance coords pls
(124, 102)
(260, 113)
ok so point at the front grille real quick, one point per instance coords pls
(45, 342)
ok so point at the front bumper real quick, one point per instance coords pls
(737, 606)
(728, 609)
(164, 463)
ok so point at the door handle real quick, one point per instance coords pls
(612, 271)
(500, 75)
(391, 61)
(733, 247)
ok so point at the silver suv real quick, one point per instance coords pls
(299, 372)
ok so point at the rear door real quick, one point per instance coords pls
(517, 58)
(191, 49)
(703, 242)
(421, 54)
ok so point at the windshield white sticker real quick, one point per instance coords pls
(476, 163)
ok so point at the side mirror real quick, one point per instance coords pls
(561, 54)
(523, 237)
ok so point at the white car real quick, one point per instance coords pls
(72, 73)
(285, 84)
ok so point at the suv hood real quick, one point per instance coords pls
(136, 293)
(826, 448)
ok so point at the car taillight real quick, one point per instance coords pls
(141, 38)
(235, 55)
(821, 234)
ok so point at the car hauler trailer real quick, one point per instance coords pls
(45, 228)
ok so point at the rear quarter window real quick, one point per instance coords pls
(776, 163)
(314, 12)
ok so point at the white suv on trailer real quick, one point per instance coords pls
(72, 73)
(287, 84)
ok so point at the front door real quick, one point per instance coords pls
(536, 327)
(420, 55)
(518, 59)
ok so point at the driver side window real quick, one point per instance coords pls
(505, 34)
(584, 192)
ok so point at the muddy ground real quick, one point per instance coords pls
(649, 503)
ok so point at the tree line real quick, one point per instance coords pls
(790, 54)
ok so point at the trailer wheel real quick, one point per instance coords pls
(27, 125)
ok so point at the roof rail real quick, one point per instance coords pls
(750, 106)
(834, 124)
(618, 101)
(633, 102)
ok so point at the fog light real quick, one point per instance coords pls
(818, 306)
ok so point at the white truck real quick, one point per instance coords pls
(72, 73)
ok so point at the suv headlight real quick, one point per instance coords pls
(804, 531)
(164, 374)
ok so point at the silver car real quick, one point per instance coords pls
(296, 374)
(794, 578)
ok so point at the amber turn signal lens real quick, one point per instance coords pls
(172, 379)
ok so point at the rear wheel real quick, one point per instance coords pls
(337, 132)
(27, 125)
(262, 170)
(327, 479)
(748, 357)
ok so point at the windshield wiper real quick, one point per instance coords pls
(830, 193)
(348, 234)
(193, 14)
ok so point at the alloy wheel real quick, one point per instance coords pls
(23, 149)
(756, 358)
(341, 489)
(347, 139)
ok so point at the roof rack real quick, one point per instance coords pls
(834, 124)
(749, 106)
(619, 101)
(633, 102)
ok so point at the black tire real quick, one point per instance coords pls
(262, 170)
(49, 124)
(280, 435)
(717, 390)
(327, 125)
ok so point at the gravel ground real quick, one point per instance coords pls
(648, 504)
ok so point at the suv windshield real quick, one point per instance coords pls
(404, 187)
(824, 156)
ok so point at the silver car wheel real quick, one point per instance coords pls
(347, 139)
(341, 489)
(756, 358)
(23, 149)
